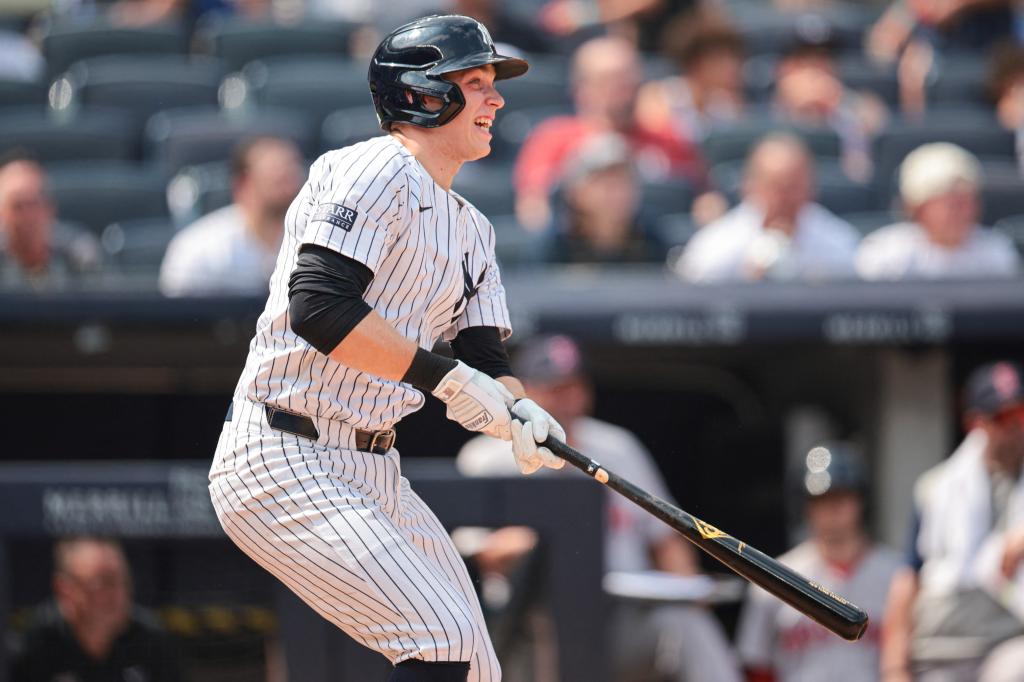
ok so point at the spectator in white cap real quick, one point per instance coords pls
(939, 185)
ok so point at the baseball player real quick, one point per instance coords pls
(777, 643)
(379, 260)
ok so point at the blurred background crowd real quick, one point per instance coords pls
(730, 139)
(154, 146)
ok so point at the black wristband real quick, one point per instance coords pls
(427, 369)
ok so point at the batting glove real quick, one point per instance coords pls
(476, 401)
(530, 427)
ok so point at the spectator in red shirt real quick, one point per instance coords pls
(606, 76)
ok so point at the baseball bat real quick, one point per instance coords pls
(818, 603)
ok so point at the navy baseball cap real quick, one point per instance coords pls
(547, 359)
(994, 387)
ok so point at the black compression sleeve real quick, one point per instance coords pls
(482, 349)
(325, 296)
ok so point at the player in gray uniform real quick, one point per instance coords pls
(778, 644)
(379, 260)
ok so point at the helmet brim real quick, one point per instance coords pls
(504, 67)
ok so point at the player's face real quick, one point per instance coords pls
(468, 135)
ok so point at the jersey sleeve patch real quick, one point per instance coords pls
(337, 215)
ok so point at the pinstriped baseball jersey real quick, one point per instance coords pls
(341, 527)
(432, 255)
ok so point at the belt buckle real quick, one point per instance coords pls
(386, 434)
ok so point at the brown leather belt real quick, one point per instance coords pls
(377, 442)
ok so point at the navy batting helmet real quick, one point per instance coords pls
(832, 467)
(412, 60)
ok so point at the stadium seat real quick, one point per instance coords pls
(348, 126)
(186, 137)
(732, 142)
(142, 85)
(545, 85)
(859, 73)
(766, 30)
(960, 78)
(515, 247)
(96, 194)
(315, 86)
(20, 93)
(868, 221)
(197, 190)
(675, 229)
(978, 132)
(487, 186)
(835, 191)
(1002, 193)
(855, 71)
(1013, 227)
(240, 42)
(137, 245)
(666, 196)
(511, 129)
(85, 136)
(66, 43)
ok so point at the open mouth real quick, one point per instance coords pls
(484, 123)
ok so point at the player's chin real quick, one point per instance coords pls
(480, 149)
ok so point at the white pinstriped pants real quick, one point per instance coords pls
(344, 530)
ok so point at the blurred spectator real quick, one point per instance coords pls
(666, 641)
(601, 220)
(776, 642)
(505, 26)
(919, 34)
(946, 24)
(641, 22)
(1006, 88)
(808, 91)
(939, 185)
(233, 249)
(708, 89)
(91, 632)
(777, 231)
(954, 612)
(20, 59)
(35, 250)
(147, 12)
(644, 22)
(605, 79)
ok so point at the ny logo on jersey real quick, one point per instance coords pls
(468, 288)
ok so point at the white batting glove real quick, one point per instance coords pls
(531, 427)
(476, 401)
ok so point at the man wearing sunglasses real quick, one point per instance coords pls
(956, 612)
